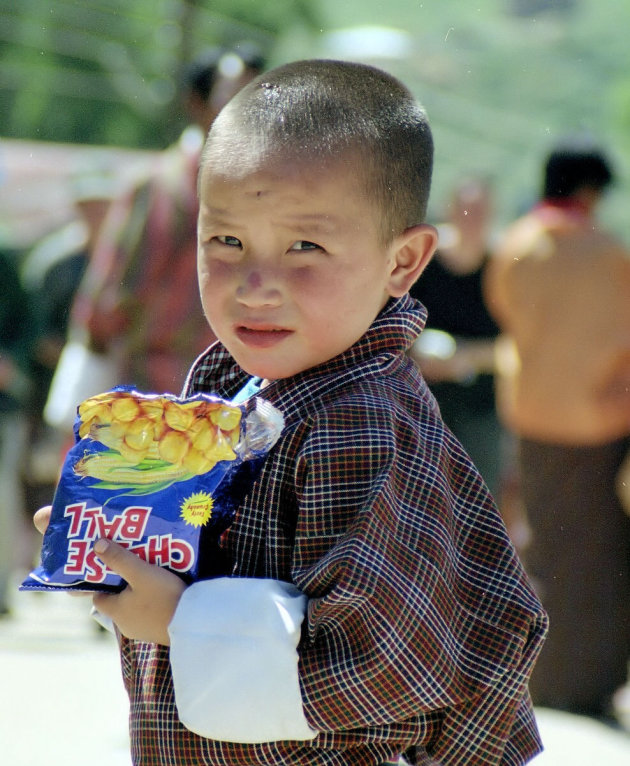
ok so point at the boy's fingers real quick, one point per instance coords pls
(128, 565)
(41, 518)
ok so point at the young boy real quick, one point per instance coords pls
(373, 606)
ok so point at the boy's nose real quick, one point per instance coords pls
(258, 288)
(254, 279)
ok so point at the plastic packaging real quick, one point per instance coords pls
(151, 472)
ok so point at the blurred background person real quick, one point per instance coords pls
(456, 351)
(50, 274)
(15, 389)
(559, 288)
(52, 269)
(138, 303)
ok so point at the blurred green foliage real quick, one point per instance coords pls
(108, 71)
(501, 79)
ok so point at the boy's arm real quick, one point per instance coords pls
(233, 645)
(422, 608)
(402, 626)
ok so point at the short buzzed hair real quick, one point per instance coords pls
(320, 110)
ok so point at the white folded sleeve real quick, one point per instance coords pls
(234, 660)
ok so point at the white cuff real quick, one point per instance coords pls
(234, 660)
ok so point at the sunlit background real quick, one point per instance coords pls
(501, 80)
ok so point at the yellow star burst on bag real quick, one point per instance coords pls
(196, 510)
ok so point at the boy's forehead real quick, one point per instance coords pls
(236, 161)
(327, 196)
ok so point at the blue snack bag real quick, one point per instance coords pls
(151, 472)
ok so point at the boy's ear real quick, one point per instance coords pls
(411, 252)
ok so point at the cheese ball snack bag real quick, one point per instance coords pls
(151, 472)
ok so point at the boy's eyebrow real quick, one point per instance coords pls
(216, 216)
(312, 222)
(322, 222)
(215, 212)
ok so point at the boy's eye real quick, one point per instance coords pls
(227, 239)
(303, 244)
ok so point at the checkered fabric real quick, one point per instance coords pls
(422, 629)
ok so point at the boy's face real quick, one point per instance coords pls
(292, 270)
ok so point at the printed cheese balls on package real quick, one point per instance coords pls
(153, 473)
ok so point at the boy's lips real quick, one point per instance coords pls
(261, 336)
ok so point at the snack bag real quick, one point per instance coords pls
(151, 473)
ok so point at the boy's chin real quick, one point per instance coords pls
(271, 371)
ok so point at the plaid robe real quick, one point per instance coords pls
(421, 629)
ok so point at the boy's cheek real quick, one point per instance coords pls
(209, 291)
(216, 277)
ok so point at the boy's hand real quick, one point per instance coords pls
(144, 609)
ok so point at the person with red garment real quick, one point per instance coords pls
(559, 287)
